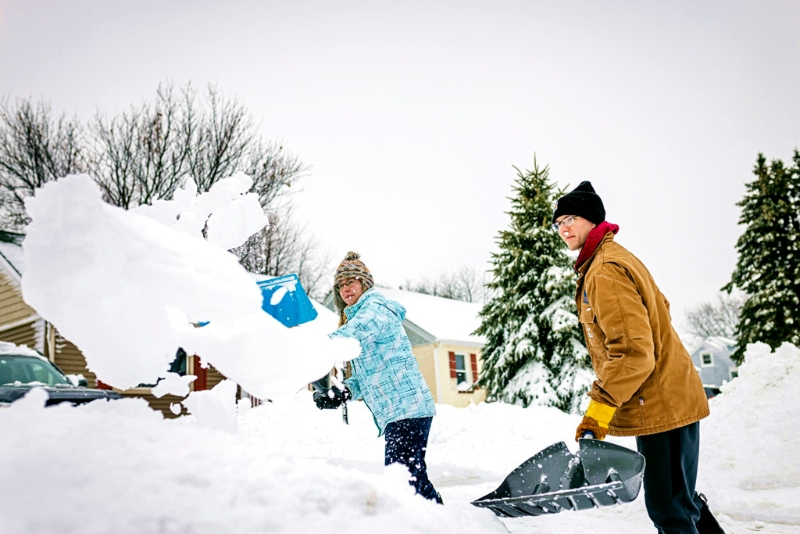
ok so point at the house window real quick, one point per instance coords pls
(460, 372)
(461, 369)
(706, 359)
(178, 365)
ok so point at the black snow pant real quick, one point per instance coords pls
(406, 442)
(670, 476)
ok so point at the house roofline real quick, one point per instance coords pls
(15, 275)
(14, 238)
(421, 332)
(30, 319)
(418, 330)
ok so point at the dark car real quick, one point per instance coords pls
(19, 373)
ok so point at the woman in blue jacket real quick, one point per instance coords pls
(385, 374)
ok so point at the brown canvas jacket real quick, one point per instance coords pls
(642, 367)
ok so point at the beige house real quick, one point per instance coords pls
(442, 339)
(22, 325)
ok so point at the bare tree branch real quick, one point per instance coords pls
(283, 248)
(147, 152)
(463, 284)
(222, 140)
(143, 155)
(35, 148)
(717, 318)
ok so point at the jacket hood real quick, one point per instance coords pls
(371, 295)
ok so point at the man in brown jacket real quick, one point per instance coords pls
(647, 385)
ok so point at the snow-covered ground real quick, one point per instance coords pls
(126, 286)
(119, 467)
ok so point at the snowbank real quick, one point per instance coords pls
(749, 444)
(119, 467)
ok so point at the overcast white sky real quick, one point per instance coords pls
(411, 114)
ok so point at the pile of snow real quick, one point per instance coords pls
(129, 287)
(11, 348)
(120, 467)
(750, 442)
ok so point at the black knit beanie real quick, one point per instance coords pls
(581, 201)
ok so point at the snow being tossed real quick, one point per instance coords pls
(130, 287)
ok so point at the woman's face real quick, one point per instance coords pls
(350, 290)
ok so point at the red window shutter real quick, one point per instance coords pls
(452, 356)
(474, 360)
(201, 383)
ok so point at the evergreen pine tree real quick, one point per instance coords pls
(768, 267)
(534, 351)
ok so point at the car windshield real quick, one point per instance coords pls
(20, 370)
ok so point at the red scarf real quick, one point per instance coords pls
(593, 240)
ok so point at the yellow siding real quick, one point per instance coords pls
(12, 307)
(427, 365)
(213, 377)
(24, 334)
(70, 359)
(158, 404)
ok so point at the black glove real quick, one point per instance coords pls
(330, 399)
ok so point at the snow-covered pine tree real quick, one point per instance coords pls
(534, 352)
(768, 267)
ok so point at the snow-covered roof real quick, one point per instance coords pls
(447, 320)
(717, 342)
(721, 342)
(11, 255)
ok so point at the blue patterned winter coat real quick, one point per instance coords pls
(385, 374)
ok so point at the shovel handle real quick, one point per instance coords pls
(587, 435)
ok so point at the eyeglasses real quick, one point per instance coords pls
(569, 221)
(346, 283)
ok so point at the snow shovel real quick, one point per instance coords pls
(286, 300)
(600, 474)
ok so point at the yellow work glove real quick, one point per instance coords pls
(596, 420)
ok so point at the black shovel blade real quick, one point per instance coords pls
(600, 474)
(603, 461)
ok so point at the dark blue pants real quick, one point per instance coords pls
(670, 476)
(406, 441)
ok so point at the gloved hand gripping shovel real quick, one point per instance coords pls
(323, 386)
(600, 474)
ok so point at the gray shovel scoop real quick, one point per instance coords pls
(600, 474)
